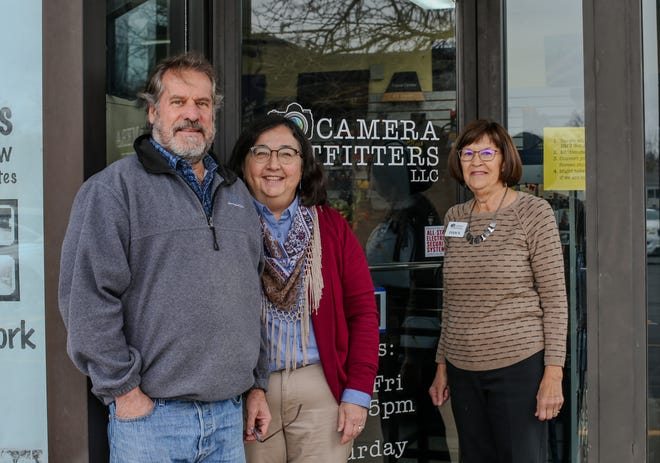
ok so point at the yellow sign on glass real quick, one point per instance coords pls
(563, 158)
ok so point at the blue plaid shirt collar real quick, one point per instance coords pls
(185, 170)
(180, 164)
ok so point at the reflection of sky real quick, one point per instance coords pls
(544, 65)
(532, 27)
(17, 71)
(21, 91)
(651, 111)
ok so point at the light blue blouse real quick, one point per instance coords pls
(279, 229)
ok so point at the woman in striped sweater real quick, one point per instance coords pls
(503, 341)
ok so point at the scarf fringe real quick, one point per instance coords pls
(314, 280)
(310, 300)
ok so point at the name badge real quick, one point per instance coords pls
(456, 229)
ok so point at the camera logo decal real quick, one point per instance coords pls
(302, 117)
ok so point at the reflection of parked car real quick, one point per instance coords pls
(652, 231)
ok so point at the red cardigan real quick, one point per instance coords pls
(346, 324)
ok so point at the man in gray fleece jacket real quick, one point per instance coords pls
(160, 289)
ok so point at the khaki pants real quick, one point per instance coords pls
(313, 436)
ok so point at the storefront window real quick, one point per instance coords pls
(23, 408)
(139, 34)
(545, 107)
(652, 144)
(374, 85)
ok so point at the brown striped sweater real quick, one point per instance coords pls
(504, 298)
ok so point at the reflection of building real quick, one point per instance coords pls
(530, 147)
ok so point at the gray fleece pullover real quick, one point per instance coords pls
(155, 295)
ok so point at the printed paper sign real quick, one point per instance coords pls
(434, 241)
(563, 158)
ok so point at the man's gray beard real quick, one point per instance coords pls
(191, 152)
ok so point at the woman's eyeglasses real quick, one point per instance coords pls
(262, 153)
(484, 155)
(257, 435)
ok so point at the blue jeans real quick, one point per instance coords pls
(179, 431)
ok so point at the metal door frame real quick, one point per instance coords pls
(616, 248)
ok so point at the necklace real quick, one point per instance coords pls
(491, 226)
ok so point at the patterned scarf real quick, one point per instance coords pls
(291, 295)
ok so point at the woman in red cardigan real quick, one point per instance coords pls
(318, 302)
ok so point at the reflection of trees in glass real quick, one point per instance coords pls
(651, 156)
(352, 26)
(136, 31)
(576, 119)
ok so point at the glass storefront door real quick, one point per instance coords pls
(374, 85)
(545, 107)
